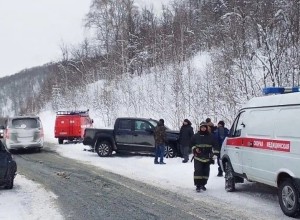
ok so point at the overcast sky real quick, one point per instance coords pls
(31, 31)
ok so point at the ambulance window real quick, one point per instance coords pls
(237, 126)
(260, 122)
(287, 123)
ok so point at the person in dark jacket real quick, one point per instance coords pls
(220, 135)
(160, 141)
(185, 135)
(202, 145)
(207, 120)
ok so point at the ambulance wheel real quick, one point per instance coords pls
(60, 141)
(288, 196)
(229, 178)
(104, 149)
(170, 151)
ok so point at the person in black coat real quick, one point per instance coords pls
(160, 138)
(185, 135)
(202, 144)
(220, 135)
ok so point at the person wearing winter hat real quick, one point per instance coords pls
(185, 135)
(220, 135)
(160, 141)
(202, 144)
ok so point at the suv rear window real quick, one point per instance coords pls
(24, 123)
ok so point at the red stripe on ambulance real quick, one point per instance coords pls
(266, 144)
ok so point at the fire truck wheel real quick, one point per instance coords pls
(229, 178)
(288, 196)
(104, 149)
(60, 141)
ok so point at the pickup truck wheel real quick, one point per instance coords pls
(288, 196)
(170, 151)
(229, 178)
(104, 149)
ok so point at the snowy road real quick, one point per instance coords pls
(88, 192)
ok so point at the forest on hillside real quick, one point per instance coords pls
(251, 44)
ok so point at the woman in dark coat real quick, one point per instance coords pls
(185, 135)
(202, 145)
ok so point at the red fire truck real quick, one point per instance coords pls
(70, 125)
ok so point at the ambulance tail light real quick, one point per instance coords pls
(280, 90)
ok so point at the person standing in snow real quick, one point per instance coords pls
(211, 127)
(220, 135)
(202, 144)
(160, 138)
(185, 135)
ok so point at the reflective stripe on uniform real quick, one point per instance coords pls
(204, 160)
(215, 151)
(201, 146)
(200, 177)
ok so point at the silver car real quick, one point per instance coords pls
(24, 132)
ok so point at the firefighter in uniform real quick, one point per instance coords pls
(202, 146)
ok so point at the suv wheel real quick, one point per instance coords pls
(104, 149)
(170, 151)
(60, 141)
(229, 178)
(288, 196)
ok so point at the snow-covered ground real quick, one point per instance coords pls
(28, 200)
(175, 176)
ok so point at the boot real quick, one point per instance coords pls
(203, 188)
(220, 173)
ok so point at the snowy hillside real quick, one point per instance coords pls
(173, 93)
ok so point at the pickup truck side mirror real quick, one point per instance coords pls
(92, 121)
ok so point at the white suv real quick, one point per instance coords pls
(23, 132)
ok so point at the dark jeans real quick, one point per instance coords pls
(159, 152)
(185, 152)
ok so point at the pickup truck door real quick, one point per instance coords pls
(143, 138)
(123, 134)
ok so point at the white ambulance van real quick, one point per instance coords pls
(264, 146)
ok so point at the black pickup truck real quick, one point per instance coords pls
(131, 135)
